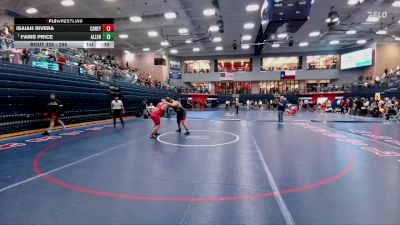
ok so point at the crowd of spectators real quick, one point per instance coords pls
(103, 67)
(359, 106)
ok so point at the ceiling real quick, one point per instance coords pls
(233, 14)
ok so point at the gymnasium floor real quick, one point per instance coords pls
(246, 169)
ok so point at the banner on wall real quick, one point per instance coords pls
(175, 70)
(226, 76)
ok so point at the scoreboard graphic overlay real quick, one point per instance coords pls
(64, 32)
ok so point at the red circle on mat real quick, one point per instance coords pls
(349, 166)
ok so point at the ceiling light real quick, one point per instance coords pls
(282, 35)
(246, 37)
(152, 33)
(219, 48)
(248, 26)
(188, 41)
(170, 15)
(252, 7)
(351, 32)
(372, 19)
(196, 49)
(328, 20)
(334, 42)
(263, 22)
(381, 32)
(217, 39)
(173, 51)
(31, 10)
(135, 19)
(146, 49)
(245, 46)
(213, 28)
(303, 44)
(209, 12)
(183, 30)
(127, 52)
(275, 45)
(164, 43)
(314, 34)
(352, 2)
(67, 3)
(361, 42)
(123, 36)
(396, 4)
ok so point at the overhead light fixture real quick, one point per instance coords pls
(135, 19)
(217, 39)
(196, 49)
(164, 43)
(252, 7)
(67, 3)
(361, 42)
(170, 15)
(146, 49)
(314, 34)
(123, 36)
(188, 41)
(173, 51)
(372, 19)
(263, 22)
(209, 12)
(245, 46)
(381, 32)
(351, 32)
(275, 45)
(396, 4)
(246, 37)
(282, 35)
(31, 10)
(352, 2)
(213, 28)
(248, 26)
(183, 30)
(152, 33)
(303, 44)
(127, 52)
(334, 42)
(219, 48)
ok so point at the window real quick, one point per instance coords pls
(233, 65)
(280, 63)
(279, 87)
(197, 66)
(232, 88)
(322, 62)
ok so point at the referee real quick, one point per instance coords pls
(117, 108)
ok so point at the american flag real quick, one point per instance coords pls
(226, 76)
(288, 75)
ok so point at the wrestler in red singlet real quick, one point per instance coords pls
(156, 115)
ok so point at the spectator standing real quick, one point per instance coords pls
(61, 62)
(54, 111)
(282, 104)
(25, 56)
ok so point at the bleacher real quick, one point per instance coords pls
(24, 93)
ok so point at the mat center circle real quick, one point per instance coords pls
(199, 138)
